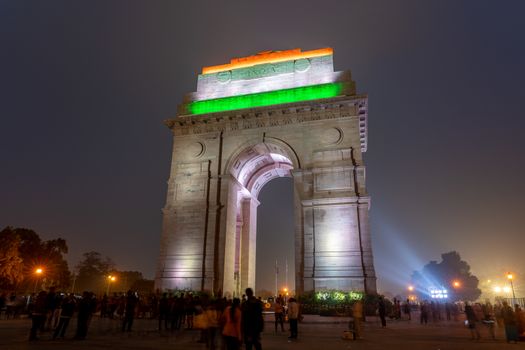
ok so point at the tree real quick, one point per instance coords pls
(126, 280)
(451, 274)
(31, 252)
(11, 264)
(93, 271)
(52, 252)
(143, 286)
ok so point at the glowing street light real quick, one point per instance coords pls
(111, 278)
(456, 284)
(38, 272)
(498, 289)
(411, 288)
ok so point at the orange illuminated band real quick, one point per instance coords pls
(267, 57)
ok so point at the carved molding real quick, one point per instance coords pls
(275, 116)
(281, 115)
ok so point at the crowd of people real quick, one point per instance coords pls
(500, 315)
(478, 316)
(232, 322)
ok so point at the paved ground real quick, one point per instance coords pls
(315, 333)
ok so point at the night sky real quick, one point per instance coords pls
(85, 87)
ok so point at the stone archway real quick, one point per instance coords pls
(250, 169)
(244, 126)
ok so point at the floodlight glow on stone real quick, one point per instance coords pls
(261, 99)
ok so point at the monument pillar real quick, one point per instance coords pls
(249, 240)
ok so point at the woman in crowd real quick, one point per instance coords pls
(232, 325)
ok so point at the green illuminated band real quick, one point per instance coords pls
(261, 99)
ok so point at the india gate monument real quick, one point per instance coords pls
(273, 114)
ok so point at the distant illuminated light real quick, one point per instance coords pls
(267, 57)
(438, 293)
(497, 289)
(506, 289)
(305, 93)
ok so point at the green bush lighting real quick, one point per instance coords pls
(261, 99)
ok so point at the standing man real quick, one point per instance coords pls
(252, 321)
(85, 309)
(511, 323)
(129, 316)
(278, 309)
(164, 311)
(406, 309)
(68, 308)
(381, 308)
(293, 317)
(472, 319)
(38, 316)
(53, 311)
(424, 312)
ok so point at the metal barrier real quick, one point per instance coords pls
(514, 301)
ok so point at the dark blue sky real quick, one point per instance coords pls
(85, 86)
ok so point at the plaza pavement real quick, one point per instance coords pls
(315, 332)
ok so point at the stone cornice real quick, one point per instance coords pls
(363, 201)
(276, 116)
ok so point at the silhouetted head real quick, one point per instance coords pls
(249, 292)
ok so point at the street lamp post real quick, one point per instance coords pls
(510, 277)
(74, 282)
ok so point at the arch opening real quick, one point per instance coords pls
(275, 267)
(251, 169)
